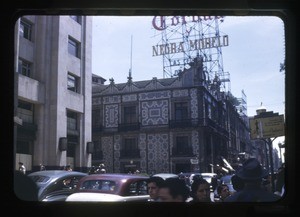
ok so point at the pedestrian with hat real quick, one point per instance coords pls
(22, 168)
(252, 173)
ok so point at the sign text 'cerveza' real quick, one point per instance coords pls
(160, 23)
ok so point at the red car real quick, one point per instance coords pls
(111, 187)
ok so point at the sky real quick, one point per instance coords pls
(256, 49)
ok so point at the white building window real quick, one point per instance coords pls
(26, 29)
(25, 67)
(74, 47)
(73, 82)
(76, 18)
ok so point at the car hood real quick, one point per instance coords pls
(102, 197)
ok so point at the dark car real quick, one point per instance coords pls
(111, 187)
(55, 185)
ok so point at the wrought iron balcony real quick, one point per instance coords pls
(182, 123)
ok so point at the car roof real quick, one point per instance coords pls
(208, 174)
(115, 176)
(55, 173)
(166, 175)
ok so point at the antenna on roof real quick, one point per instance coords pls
(130, 70)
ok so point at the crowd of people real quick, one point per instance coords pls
(247, 183)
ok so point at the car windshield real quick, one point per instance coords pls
(40, 179)
(99, 185)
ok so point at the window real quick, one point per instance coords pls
(181, 110)
(71, 120)
(130, 115)
(73, 83)
(182, 144)
(26, 29)
(97, 154)
(25, 67)
(72, 143)
(76, 18)
(24, 147)
(74, 47)
(25, 111)
(130, 144)
(138, 188)
(96, 118)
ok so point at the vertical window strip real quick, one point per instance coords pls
(25, 30)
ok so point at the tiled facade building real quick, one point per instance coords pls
(177, 124)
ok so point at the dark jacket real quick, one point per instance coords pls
(252, 194)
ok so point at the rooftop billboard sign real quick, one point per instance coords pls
(267, 127)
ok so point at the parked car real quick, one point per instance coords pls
(189, 177)
(111, 187)
(166, 175)
(55, 185)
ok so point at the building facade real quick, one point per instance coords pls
(53, 72)
(178, 124)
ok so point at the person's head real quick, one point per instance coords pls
(24, 187)
(223, 191)
(173, 190)
(201, 190)
(153, 185)
(252, 172)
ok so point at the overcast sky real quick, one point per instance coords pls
(256, 49)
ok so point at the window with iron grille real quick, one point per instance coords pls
(130, 144)
(130, 115)
(181, 110)
(182, 144)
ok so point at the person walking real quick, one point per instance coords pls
(22, 168)
(252, 174)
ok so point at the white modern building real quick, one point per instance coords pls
(53, 68)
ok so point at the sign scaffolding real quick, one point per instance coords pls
(183, 38)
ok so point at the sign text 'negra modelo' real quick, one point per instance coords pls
(196, 44)
(161, 23)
